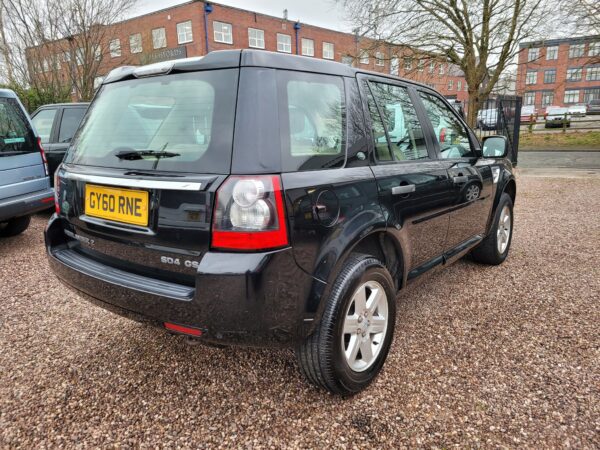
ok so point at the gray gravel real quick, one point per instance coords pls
(483, 357)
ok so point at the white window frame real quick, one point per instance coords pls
(442, 69)
(527, 97)
(450, 85)
(576, 70)
(222, 32)
(594, 49)
(115, 48)
(570, 94)
(407, 63)
(256, 38)
(282, 45)
(552, 53)
(308, 47)
(592, 73)
(185, 32)
(159, 40)
(395, 66)
(363, 58)
(459, 85)
(531, 77)
(533, 54)
(133, 45)
(97, 52)
(379, 59)
(328, 50)
(545, 95)
(79, 56)
(420, 65)
(576, 51)
(431, 67)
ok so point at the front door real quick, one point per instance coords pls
(414, 189)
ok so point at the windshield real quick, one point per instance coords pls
(181, 122)
(16, 136)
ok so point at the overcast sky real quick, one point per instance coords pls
(324, 13)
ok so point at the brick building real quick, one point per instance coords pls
(196, 27)
(559, 72)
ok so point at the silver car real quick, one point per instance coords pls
(24, 183)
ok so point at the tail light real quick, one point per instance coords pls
(57, 192)
(39, 142)
(249, 214)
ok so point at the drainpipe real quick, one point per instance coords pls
(297, 27)
(207, 10)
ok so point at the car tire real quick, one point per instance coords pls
(15, 226)
(332, 357)
(494, 248)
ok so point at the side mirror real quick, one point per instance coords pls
(495, 147)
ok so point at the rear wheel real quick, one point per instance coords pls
(14, 226)
(495, 247)
(347, 350)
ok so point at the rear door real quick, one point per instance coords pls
(470, 177)
(413, 186)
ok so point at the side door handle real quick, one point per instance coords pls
(460, 179)
(406, 189)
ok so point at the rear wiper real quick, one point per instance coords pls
(140, 154)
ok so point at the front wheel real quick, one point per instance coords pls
(348, 348)
(494, 248)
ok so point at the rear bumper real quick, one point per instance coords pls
(247, 299)
(26, 204)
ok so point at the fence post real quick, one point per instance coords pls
(564, 130)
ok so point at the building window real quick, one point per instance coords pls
(466, 87)
(591, 94)
(529, 98)
(450, 85)
(395, 66)
(458, 85)
(223, 32)
(421, 65)
(159, 39)
(571, 96)
(284, 43)
(407, 63)
(552, 52)
(328, 50)
(594, 49)
(256, 38)
(531, 77)
(97, 53)
(308, 47)
(135, 43)
(184, 32)
(576, 50)
(348, 60)
(379, 59)
(79, 56)
(441, 72)
(364, 57)
(547, 98)
(115, 48)
(550, 76)
(97, 82)
(534, 53)
(592, 73)
(431, 66)
(574, 74)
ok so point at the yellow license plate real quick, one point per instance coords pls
(121, 205)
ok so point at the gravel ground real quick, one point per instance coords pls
(483, 357)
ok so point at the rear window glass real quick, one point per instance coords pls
(181, 122)
(16, 136)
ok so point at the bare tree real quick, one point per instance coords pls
(60, 45)
(481, 37)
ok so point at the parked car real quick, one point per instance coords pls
(244, 198)
(578, 110)
(487, 119)
(56, 124)
(556, 115)
(24, 184)
(528, 114)
(593, 107)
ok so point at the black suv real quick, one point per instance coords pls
(254, 198)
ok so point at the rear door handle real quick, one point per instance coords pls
(460, 179)
(406, 189)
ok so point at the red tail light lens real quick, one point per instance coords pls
(57, 192)
(39, 142)
(249, 214)
(183, 330)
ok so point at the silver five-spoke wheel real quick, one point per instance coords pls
(504, 229)
(365, 326)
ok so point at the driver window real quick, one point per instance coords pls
(448, 129)
(406, 138)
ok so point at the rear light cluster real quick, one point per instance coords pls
(249, 214)
(57, 192)
(39, 143)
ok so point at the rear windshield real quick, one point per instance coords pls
(16, 136)
(181, 122)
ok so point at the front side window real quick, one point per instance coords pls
(328, 50)
(115, 48)
(451, 134)
(550, 76)
(223, 32)
(135, 43)
(71, 119)
(308, 47)
(284, 43)
(547, 98)
(529, 98)
(572, 96)
(42, 122)
(256, 38)
(552, 53)
(16, 136)
(533, 54)
(574, 74)
(576, 50)
(592, 73)
(531, 77)
(184, 32)
(159, 38)
(398, 134)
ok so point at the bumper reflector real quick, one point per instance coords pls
(184, 330)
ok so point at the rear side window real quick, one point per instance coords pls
(181, 122)
(16, 136)
(71, 119)
(43, 121)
